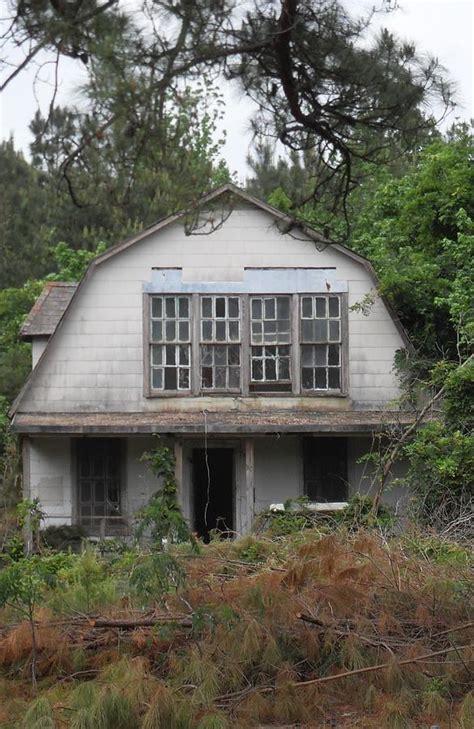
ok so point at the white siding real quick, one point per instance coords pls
(278, 471)
(361, 475)
(96, 360)
(50, 477)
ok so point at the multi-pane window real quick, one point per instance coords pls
(270, 338)
(211, 332)
(320, 336)
(220, 342)
(170, 337)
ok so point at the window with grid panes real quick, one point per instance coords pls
(320, 341)
(170, 343)
(220, 342)
(270, 343)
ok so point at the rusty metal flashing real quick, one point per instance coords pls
(211, 422)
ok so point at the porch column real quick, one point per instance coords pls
(248, 495)
(182, 491)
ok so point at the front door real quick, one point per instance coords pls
(98, 483)
(213, 490)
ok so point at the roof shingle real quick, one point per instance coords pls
(48, 310)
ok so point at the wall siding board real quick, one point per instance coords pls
(96, 360)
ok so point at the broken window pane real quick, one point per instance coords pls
(307, 380)
(170, 378)
(320, 381)
(334, 378)
(333, 356)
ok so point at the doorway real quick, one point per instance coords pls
(213, 490)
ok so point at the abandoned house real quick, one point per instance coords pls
(237, 335)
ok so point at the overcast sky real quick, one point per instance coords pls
(442, 28)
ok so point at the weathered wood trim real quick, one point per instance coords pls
(295, 359)
(248, 495)
(195, 344)
(345, 344)
(245, 344)
(146, 345)
(26, 467)
(178, 470)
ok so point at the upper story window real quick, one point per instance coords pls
(320, 337)
(270, 340)
(170, 342)
(202, 343)
(220, 329)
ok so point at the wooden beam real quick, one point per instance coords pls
(248, 495)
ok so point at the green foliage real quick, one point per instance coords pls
(438, 550)
(153, 575)
(84, 584)
(39, 715)
(161, 518)
(417, 231)
(72, 264)
(24, 582)
(25, 212)
(440, 474)
(360, 514)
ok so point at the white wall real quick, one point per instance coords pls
(361, 475)
(141, 484)
(95, 363)
(278, 470)
(49, 470)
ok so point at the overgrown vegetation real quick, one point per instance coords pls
(259, 630)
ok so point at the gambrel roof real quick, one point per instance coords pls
(230, 193)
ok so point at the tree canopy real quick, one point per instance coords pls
(319, 80)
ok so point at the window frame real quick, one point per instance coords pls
(343, 390)
(214, 343)
(245, 348)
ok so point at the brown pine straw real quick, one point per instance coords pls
(368, 669)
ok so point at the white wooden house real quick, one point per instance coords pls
(232, 332)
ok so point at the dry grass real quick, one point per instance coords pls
(245, 659)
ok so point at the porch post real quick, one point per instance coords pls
(182, 480)
(248, 486)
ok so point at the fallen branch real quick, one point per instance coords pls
(379, 666)
(344, 633)
(139, 622)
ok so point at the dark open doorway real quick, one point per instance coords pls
(213, 490)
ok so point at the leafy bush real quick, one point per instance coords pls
(162, 518)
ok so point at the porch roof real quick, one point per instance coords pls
(234, 423)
